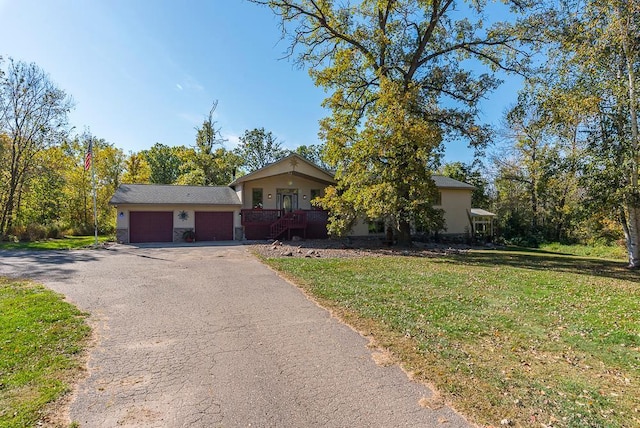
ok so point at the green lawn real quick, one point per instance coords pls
(612, 252)
(66, 243)
(533, 337)
(41, 339)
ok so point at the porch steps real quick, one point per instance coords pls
(287, 223)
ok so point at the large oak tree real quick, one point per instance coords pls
(400, 84)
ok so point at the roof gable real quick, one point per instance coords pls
(296, 164)
(292, 164)
(171, 194)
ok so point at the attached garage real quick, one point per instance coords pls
(214, 226)
(151, 226)
(168, 213)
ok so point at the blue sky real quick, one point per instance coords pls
(143, 71)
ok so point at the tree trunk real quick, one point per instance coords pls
(404, 233)
(6, 213)
(631, 227)
(632, 210)
(9, 209)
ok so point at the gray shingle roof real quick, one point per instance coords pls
(169, 194)
(449, 183)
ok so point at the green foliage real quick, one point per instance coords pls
(538, 194)
(33, 116)
(108, 165)
(164, 162)
(207, 136)
(228, 165)
(363, 54)
(533, 337)
(583, 133)
(314, 153)
(45, 190)
(208, 163)
(200, 169)
(386, 176)
(42, 197)
(41, 337)
(259, 148)
(137, 170)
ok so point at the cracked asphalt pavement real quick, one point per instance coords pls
(207, 336)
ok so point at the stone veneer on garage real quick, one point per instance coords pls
(122, 236)
(178, 232)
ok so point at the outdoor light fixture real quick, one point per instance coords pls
(304, 196)
(269, 196)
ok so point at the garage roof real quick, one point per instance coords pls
(170, 194)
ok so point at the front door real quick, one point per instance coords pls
(287, 200)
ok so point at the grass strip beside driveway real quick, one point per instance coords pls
(66, 243)
(534, 339)
(41, 339)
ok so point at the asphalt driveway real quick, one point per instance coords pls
(207, 336)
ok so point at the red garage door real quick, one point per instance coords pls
(214, 226)
(151, 226)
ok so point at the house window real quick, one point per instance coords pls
(256, 198)
(313, 194)
(376, 226)
(437, 199)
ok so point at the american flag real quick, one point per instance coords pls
(87, 158)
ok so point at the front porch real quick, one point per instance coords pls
(279, 224)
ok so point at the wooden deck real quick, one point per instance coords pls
(277, 224)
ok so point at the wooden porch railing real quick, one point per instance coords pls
(296, 220)
(272, 224)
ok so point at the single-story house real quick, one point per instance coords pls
(272, 202)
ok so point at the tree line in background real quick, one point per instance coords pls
(45, 190)
(567, 168)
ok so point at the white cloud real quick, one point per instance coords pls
(192, 84)
(232, 141)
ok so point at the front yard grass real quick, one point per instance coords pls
(66, 243)
(537, 339)
(41, 339)
(611, 252)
